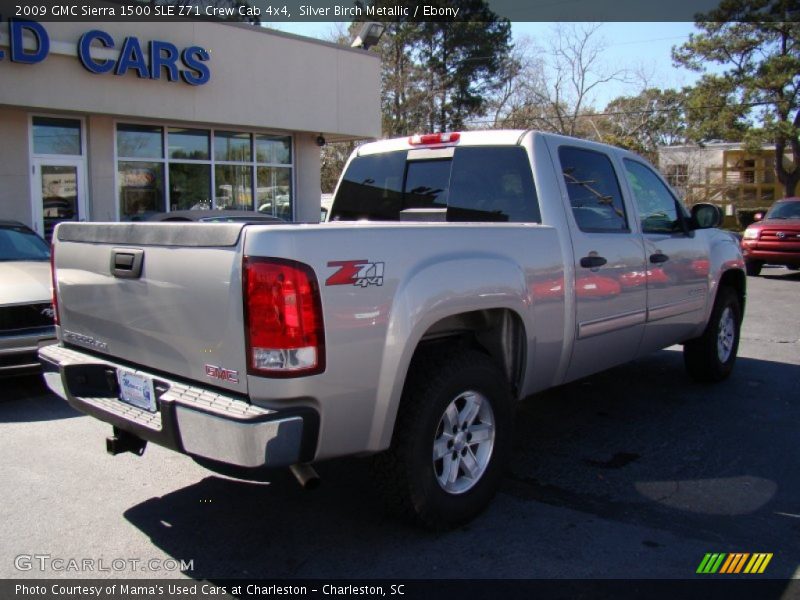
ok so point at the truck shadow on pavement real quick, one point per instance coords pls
(639, 445)
(27, 399)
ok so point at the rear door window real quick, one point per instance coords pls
(593, 190)
(476, 184)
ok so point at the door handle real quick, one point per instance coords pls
(658, 258)
(592, 261)
(126, 263)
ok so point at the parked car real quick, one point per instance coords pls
(26, 310)
(212, 216)
(775, 238)
(456, 274)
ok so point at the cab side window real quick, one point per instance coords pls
(593, 190)
(658, 210)
(492, 183)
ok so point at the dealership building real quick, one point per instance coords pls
(114, 121)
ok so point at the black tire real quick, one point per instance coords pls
(704, 359)
(407, 474)
(753, 268)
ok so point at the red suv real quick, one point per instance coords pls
(775, 239)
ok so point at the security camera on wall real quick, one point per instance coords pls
(321, 140)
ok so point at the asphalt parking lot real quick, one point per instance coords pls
(633, 473)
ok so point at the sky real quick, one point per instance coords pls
(644, 47)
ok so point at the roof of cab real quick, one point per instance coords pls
(499, 137)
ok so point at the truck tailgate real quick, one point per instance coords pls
(180, 313)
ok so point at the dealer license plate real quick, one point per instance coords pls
(136, 390)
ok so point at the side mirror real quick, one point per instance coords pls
(706, 216)
(758, 216)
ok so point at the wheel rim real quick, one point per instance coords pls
(726, 335)
(463, 443)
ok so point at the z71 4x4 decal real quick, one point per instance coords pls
(356, 272)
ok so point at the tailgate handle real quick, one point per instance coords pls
(127, 262)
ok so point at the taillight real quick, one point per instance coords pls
(53, 282)
(433, 138)
(283, 318)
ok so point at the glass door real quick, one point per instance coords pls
(59, 193)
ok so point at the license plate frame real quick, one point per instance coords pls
(136, 390)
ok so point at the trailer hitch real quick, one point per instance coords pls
(124, 441)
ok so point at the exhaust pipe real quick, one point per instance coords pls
(306, 476)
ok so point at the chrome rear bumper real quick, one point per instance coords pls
(193, 420)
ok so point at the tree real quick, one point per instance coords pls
(755, 98)
(463, 64)
(642, 123)
(556, 89)
(439, 75)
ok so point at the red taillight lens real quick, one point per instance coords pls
(434, 138)
(283, 318)
(53, 282)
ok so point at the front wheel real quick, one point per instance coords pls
(451, 440)
(710, 357)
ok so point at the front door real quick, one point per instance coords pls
(678, 270)
(59, 193)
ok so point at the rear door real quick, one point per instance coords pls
(611, 296)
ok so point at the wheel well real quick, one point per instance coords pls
(498, 333)
(736, 280)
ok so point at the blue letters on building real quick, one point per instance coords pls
(164, 58)
(16, 28)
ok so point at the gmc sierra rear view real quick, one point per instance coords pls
(457, 273)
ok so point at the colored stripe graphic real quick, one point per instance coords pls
(733, 563)
(758, 563)
(711, 563)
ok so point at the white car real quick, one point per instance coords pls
(26, 310)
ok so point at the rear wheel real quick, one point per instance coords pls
(451, 440)
(753, 268)
(710, 357)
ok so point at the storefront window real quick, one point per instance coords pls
(56, 136)
(274, 192)
(230, 146)
(234, 187)
(141, 189)
(188, 144)
(273, 149)
(139, 141)
(189, 186)
(178, 168)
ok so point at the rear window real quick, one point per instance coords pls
(477, 184)
(20, 243)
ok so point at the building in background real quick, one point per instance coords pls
(723, 173)
(113, 121)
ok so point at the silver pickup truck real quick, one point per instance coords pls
(456, 274)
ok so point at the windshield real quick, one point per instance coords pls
(784, 210)
(20, 243)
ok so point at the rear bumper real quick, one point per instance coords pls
(18, 352)
(192, 420)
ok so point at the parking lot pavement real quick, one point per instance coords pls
(633, 473)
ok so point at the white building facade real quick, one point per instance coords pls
(114, 121)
